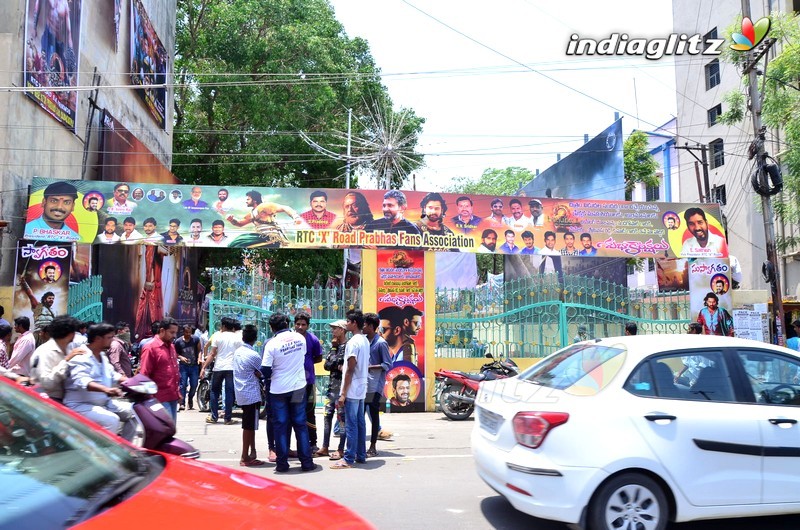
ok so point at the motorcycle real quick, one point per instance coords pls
(456, 390)
(156, 428)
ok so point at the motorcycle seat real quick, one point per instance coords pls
(475, 377)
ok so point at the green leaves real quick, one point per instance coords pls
(640, 166)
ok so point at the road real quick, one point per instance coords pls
(423, 476)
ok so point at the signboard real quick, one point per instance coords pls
(752, 325)
(52, 51)
(710, 298)
(42, 281)
(400, 288)
(148, 63)
(244, 217)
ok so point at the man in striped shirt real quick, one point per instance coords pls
(247, 386)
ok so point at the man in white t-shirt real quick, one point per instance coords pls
(284, 364)
(225, 343)
(354, 392)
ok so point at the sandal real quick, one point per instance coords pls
(342, 464)
(336, 455)
(372, 452)
(251, 463)
(322, 452)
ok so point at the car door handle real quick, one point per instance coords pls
(660, 417)
(781, 421)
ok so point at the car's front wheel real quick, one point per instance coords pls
(629, 501)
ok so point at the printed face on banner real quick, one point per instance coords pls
(711, 304)
(394, 219)
(52, 50)
(42, 281)
(148, 63)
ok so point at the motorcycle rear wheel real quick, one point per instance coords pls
(453, 408)
(203, 395)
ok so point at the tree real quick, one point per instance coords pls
(493, 182)
(780, 111)
(251, 76)
(639, 164)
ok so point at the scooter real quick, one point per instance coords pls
(457, 390)
(158, 429)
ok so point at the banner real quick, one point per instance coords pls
(42, 281)
(52, 52)
(148, 63)
(400, 288)
(709, 294)
(245, 217)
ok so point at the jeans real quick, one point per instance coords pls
(216, 388)
(355, 426)
(289, 411)
(373, 404)
(330, 413)
(189, 372)
(172, 408)
(311, 418)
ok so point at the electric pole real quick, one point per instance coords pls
(771, 269)
(705, 196)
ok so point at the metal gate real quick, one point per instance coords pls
(534, 317)
(85, 300)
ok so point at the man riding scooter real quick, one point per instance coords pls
(90, 385)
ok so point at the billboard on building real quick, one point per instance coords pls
(401, 304)
(710, 296)
(52, 53)
(41, 284)
(593, 171)
(245, 217)
(149, 61)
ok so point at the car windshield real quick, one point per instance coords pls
(52, 466)
(588, 365)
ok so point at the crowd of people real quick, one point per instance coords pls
(80, 364)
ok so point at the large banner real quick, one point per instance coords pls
(400, 288)
(42, 281)
(244, 217)
(710, 298)
(52, 50)
(148, 63)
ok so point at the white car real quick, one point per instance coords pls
(633, 432)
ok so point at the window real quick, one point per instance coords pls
(713, 115)
(630, 269)
(652, 193)
(710, 35)
(718, 195)
(699, 376)
(773, 377)
(712, 74)
(717, 148)
(651, 265)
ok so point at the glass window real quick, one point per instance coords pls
(717, 148)
(579, 365)
(712, 74)
(700, 376)
(773, 377)
(714, 114)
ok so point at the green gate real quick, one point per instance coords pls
(85, 300)
(534, 317)
(252, 298)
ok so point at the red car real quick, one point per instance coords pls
(59, 470)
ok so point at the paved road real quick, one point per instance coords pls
(423, 476)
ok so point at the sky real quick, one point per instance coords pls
(478, 73)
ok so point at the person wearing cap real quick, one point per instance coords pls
(537, 217)
(333, 363)
(57, 205)
(583, 334)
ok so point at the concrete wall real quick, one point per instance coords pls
(34, 144)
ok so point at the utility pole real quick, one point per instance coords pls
(773, 276)
(705, 196)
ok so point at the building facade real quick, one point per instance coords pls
(105, 41)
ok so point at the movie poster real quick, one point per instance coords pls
(148, 63)
(41, 285)
(260, 217)
(52, 52)
(400, 287)
(672, 274)
(710, 298)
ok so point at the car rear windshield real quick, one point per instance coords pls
(583, 364)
